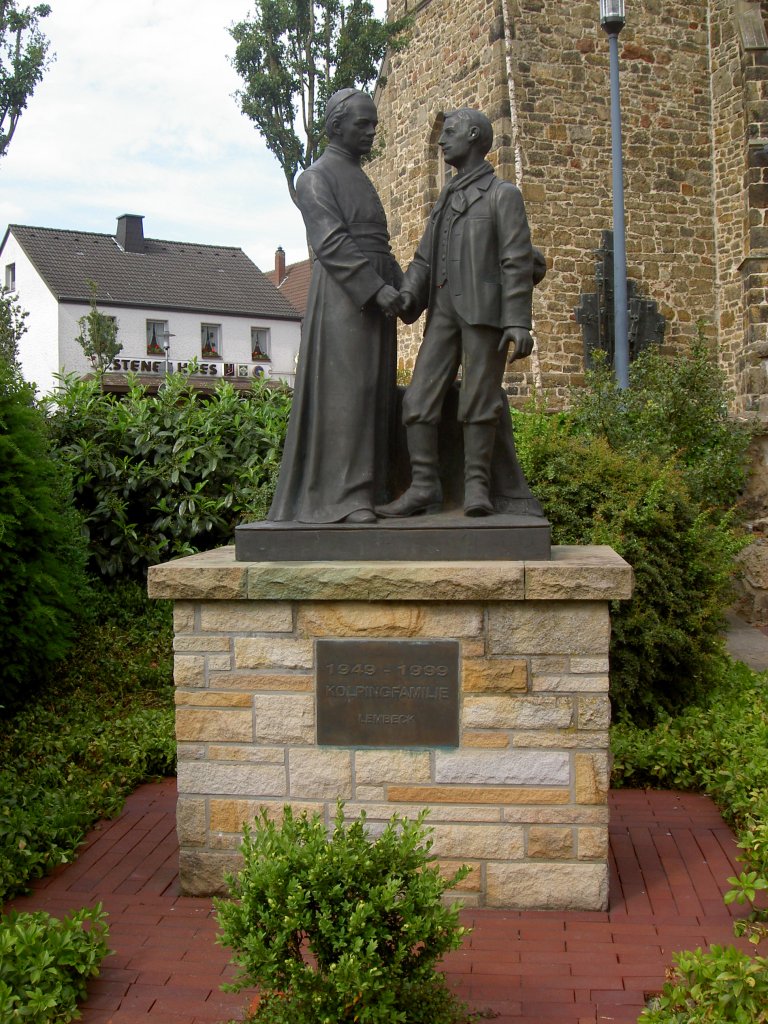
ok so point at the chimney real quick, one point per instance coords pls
(130, 232)
(279, 265)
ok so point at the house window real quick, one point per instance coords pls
(259, 344)
(10, 277)
(157, 337)
(210, 341)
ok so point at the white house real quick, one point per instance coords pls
(173, 301)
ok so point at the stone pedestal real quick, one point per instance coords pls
(522, 798)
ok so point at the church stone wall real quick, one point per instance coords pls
(540, 69)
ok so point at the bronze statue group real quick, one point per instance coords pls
(473, 272)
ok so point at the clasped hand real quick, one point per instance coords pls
(391, 300)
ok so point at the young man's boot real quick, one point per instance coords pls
(425, 495)
(479, 439)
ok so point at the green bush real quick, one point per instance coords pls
(45, 963)
(342, 928)
(103, 725)
(676, 410)
(43, 587)
(666, 644)
(719, 747)
(158, 476)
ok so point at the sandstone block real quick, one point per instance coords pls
(521, 768)
(569, 684)
(547, 886)
(255, 652)
(594, 712)
(183, 617)
(566, 739)
(213, 724)
(246, 617)
(427, 795)
(478, 842)
(282, 718)
(589, 666)
(376, 767)
(579, 574)
(218, 662)
(249, 754)
(387, 619)
(592, 778)
(200, 644)
(557, 815)
(549, 627)
(491, 740)
(473, 881)
(229, 816)
(219, 779)
(383, 811)
(550, 665)
(191, 751)
(385, 581)
(592, 843)
(517, 712)
(202, 873)
(549, 843)
(365, 793)
(320, 774)
(188, 670)
(208, 576)
(254, 682)
(213, 698)
(494, 675)
(191, 821)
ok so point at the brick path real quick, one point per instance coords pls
(671, 854)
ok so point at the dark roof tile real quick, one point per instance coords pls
(167, 275)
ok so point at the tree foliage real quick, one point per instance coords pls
(292, 55)
(24, 58)
(98, 334)
(43, 588)
(12, 326)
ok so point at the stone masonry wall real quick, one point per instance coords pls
(523, 799)
(552, 119)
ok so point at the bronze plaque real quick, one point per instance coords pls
(387, 693)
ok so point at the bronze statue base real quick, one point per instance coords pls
(448, 536)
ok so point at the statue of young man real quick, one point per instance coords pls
(337, 450)
(474, 274)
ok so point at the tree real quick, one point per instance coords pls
(12, 326)
(292, 55)
(23, 60)
(98, 334)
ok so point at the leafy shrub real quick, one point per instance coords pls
(721, 986)
(45, 963)
(675, 410)
(666, 644)
(104, 725)
(720, 747)
(342, 928)
(158, 476)
(43, 587)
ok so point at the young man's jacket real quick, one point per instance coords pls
(489, 259)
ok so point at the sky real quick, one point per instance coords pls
(136, 115)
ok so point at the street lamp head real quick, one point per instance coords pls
(612, 19)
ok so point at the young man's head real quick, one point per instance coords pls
(466, 137)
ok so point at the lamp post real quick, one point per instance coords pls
(612, 21)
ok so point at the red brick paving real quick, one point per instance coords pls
(670, 856)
